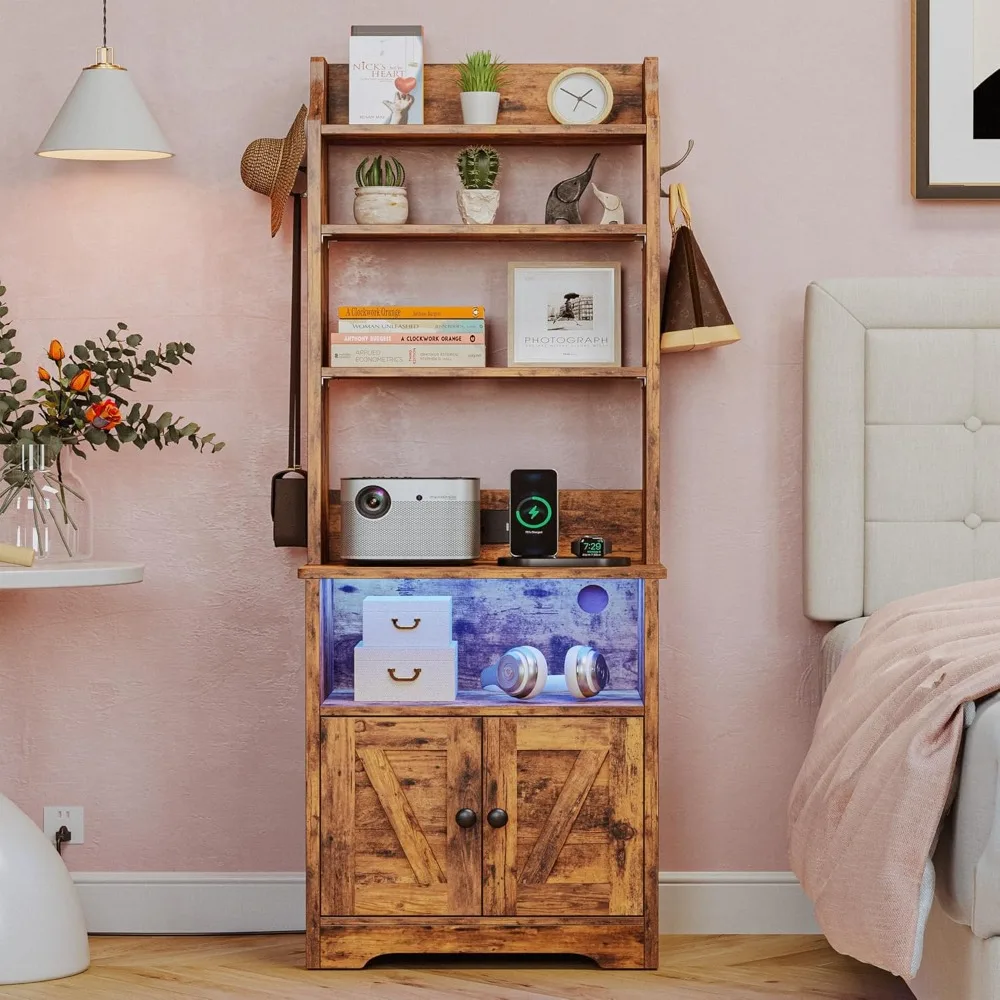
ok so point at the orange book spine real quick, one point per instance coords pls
(412, 312)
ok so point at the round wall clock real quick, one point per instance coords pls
(580, 96)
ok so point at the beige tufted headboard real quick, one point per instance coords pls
(902, 439)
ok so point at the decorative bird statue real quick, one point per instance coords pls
(613, 210)
(564, 201)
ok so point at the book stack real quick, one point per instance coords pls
(409, 337)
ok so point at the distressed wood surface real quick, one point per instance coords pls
(480, 703)
(614, 514)
(627, 820)
(614, 943)
(492, 135)
(353, 232)
(465, 788)
(314, 691)
(490, 373)
(338, 818)
(500, 792)
(253, 967)
(651, 768)
(523, 96)
(479, 571)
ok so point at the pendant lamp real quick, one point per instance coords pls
(105, 117)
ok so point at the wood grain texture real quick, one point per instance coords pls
(615, 943)
(627, 820)
(338, 823)
(316, 310)
(478, 571)
(493, 135)
(491, 373)
(523, 99)
(479, 703)
(614, 514)
(551, 734)
(465, 788)
(552, 836)
(256, 967)
(651, 772)
(500, 792)
(491, 233)
(402, 734)
(314, 690)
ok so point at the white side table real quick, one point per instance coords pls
(43, 934)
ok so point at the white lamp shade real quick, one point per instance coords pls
(105, 118)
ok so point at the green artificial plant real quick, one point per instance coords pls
(480, 72)
(478, 167)
(377, 171)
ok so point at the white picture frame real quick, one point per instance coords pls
(564, 315)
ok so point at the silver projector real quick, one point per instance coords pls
(409, 520)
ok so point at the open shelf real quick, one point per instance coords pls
(491, 233)
(481, 571)
(511, 135)
(618, 373)
(615, 703)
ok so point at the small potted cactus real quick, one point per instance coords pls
(380, 198)
(478, 199)
(479, 79)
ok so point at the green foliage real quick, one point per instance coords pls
(481, 71)
(478, 167)
(59, 417)
(379, 172)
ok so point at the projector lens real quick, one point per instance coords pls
(373, 502)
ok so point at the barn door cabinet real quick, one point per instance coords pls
(486, 825)
(482, 818)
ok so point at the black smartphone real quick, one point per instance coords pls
(534, 513)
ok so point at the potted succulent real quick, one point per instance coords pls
(478, 198)
(380, 198)
(479, 79)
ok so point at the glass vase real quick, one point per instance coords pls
(44, 505)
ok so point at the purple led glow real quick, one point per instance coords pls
(592, 599)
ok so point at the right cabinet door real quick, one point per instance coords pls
(563, 805)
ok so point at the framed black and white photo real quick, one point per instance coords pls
(956, 101)
(564, 315)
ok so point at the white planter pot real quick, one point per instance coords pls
(480, 107)
(478, 207)
(380, 206)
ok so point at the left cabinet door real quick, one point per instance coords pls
(392, 791)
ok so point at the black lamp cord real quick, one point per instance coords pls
(105, 23)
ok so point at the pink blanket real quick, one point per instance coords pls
(868, 802)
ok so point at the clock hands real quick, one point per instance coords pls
(580, 100)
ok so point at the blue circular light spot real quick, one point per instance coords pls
(593, 599)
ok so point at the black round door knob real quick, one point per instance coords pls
(497, 818)
(466, 818)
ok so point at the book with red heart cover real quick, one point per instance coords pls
(386, 75)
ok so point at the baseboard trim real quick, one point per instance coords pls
(734, 903)
(274, 902)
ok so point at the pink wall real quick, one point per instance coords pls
(173, 710)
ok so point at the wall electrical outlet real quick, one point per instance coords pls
(71, 817)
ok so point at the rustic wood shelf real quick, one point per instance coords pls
(496, 135)
(503, 373)
(484, 824)
(493, 233)
(476, 703)
(480, 571)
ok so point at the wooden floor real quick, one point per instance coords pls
(258, 967)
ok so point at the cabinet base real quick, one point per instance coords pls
(613, 943)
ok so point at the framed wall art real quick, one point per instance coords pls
(564, 315)
(956, 99)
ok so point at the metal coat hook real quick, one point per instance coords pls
(674, 166)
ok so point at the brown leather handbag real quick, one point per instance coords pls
(288, 488)
(695, 316)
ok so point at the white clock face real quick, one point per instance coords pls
(580, 98)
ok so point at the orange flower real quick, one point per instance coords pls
(81, 380)
(56, 352)
(44, 376)
(105, 416)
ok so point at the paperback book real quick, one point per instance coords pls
(412, 312)
(412, 326)
(416, 339)
(386, 76)
(407, 356)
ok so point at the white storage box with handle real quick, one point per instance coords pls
(406, 622)
(385, 674)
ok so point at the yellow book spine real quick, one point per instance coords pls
(412, 312)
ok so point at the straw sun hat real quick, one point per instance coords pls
(270, 166)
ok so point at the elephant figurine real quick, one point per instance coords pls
(564, 200)
(614, 212)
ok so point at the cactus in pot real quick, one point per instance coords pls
(379, 195)
(478, 199)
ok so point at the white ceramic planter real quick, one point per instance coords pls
(480, 107)
(380, 206)
(478, 206)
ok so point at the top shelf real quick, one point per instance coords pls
(510, 135)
